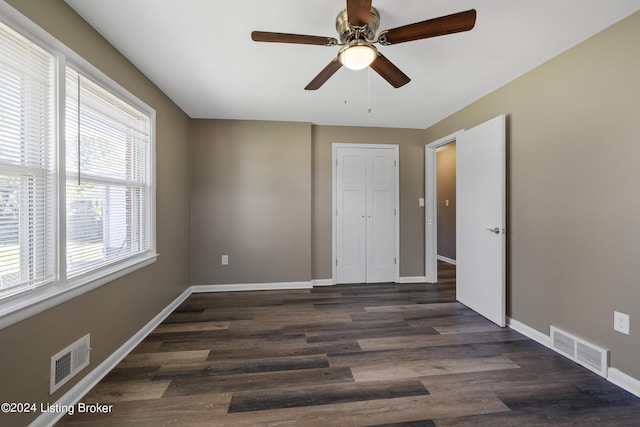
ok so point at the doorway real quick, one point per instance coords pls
(365, 213)
(431, 206)
(446, 203)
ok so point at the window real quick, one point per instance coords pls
(27, 164)
(108, 188)
(76, 175)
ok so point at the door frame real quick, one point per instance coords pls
(334, 202)
(431, 206)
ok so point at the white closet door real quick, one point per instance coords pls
(351, 215)
(380, 216)
(365, 215)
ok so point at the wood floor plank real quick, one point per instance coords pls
(369, 333)
(120, 391)
(146, 359)
(336, 325)
(425, 368)
(247, 350)
(466, 329)
(242, 366)
(324, 394)
(401, 342)
(389, 308)
(186, 386)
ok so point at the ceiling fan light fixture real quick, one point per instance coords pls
(357, 55)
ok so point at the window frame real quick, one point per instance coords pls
(15, 308)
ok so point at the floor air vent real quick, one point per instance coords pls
(69, 362)
(588, 355)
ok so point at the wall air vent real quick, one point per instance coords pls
(586, 354)
(68, 362)
(563, 343)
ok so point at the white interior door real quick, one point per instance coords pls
(365, 215)
(480, 217)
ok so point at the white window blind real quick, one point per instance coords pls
(27, 164)
(108, 167)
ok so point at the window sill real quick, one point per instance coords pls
(21, 307)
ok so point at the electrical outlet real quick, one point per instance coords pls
(225, 259)
(621, 322)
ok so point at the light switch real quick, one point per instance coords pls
(421, 202)
(446, 202)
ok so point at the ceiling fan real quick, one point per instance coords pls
(357, 26)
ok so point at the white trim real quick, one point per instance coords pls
(83, 386)
(322, 282)
(431, 210)
(622, 380)
(251, 287)
(446, 259)
(412, 279)
(529, 332)
(334, 203)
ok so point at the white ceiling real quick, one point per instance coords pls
(199, 52)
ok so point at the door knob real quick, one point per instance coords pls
(494, 230)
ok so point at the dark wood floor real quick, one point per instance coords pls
(349, 355)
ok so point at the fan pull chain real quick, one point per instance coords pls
(369, 90)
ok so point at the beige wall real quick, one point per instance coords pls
(261, 193)
(116, 311)
(251, 200)
(411, 142)
(573, 135)
(446, 191)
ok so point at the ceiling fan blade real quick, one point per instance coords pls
(455, 23)
(358, 12)
(265, 36)
(324, 75)
(389, 72)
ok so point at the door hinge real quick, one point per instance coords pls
(395, 260)
(336, 212)
(395, 163)
(336, 261)
(395, 211)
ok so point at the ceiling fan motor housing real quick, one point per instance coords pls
(347, 32)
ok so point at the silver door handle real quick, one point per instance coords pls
(494, 230)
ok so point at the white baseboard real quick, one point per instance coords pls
(614, 376)
(529, 332)
(446, 259)
(412, 279)
(251, 287)
(622, 380)
(409, 279)
(322, 282)
(83, 386)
